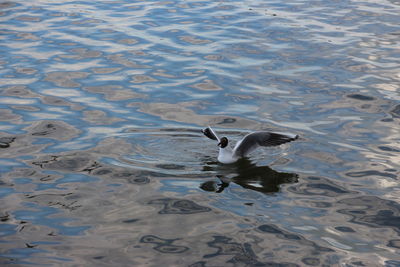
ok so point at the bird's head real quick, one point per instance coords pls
(223, 142)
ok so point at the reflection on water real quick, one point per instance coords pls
(249, 176)
(102, 161)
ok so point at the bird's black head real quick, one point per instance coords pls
(223, 142)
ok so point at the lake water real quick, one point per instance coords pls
(103, 162)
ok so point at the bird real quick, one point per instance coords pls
(248, 144)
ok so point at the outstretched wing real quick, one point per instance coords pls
(210, 133)
(253, 140)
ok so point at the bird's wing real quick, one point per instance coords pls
(253, 140)
(210, 133)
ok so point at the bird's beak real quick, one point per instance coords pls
(219, 144)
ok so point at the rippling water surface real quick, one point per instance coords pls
(103, 162)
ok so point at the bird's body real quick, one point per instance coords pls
(248, 144)
(226, 155)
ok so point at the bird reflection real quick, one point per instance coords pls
(248, 175)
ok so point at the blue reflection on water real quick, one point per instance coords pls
(6, 191)
(7, 229)
(41, 215)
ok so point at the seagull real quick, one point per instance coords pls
(248, 144)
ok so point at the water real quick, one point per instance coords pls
(103, 162)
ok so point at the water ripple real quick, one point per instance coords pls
(102, 158)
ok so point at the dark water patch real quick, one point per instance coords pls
(179, 206)
(130, 221)
(58, 130)
(213, 186)
(227, 120)
(242, 253)
(371, 173)
(311, 261)
(322, 204)
(358, 263)
(4, 216)
(71, 206)
(361, 97)
(313, 185)
(372, 211)
(387, 120)
(93, 168)
(389, 149)
(164, 245)
(392, 263)
(395, 243)
(94, 165)
(102, 171)
(395, 112)
(6, 141)
(68, 206)
(345, 229)
(47, 195)
(131, 177)
(64, 163)
(285, 235)
(123, 174)
(139, 180)
(170, 166)
(198, 264)
(7, 4)
(4, 185)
